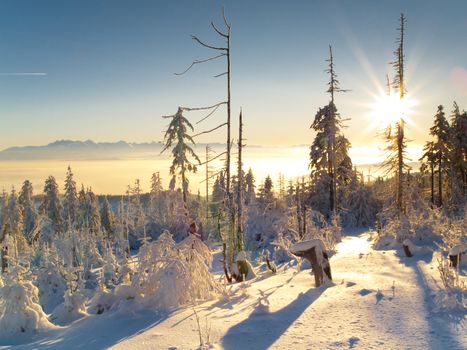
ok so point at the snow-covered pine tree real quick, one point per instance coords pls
(94, 217)
(250, 194)
(136, 214)
(28, 208)
(51, 206)
(177, 136)
(458, 159)
(428, 161)
(107, 218)
(15, 220)
(329, 142)
(156, 207)
(70, 202)
(21, 313)
(441, 132)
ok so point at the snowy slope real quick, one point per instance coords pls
(379, 300)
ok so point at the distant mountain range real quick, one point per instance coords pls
(69, 149)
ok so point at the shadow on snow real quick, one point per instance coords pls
(263, 328)
(94, 332)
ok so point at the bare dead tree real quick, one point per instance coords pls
(240, 240)
(396, 161)
(222, 51)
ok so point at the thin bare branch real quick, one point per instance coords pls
(195, 62)
(209, 114)
(208, 131)
(189, 109)
(225, 19)
(213, 175)
(218, 31)
(211, 159)
(208, 46)
(219, 75)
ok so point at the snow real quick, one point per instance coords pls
(380, 300)
(458, 249)
(306, 245)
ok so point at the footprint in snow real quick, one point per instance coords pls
(364, 292)
(353, 341)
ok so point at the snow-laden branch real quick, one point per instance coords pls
(189, 109)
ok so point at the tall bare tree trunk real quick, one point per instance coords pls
(240, 242)
(440, 180)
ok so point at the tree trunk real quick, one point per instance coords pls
(440, 182)
(4, 259)
(432, 184)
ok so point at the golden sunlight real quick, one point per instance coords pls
(388, 109)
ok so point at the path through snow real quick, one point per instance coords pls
(380, 300)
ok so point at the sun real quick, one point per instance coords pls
(389, 108)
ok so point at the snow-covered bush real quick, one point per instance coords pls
(20, 312)
(170, 274)
(71, 309)
(282, 245)
(454, 295)
(51, 280)
(264, 225)
(110, 268)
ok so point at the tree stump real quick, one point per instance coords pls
(406, 245)
(455, 254)
(315, 252)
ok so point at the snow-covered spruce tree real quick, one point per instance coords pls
(328, 142)
(51, 279)
(28, 208)
(458, 161)
(428, 161)
(15, 221)
(329, 161)
(136, 215)
(177, 136)
(107, 219)
(3, 210)
(51, 206)
(156, 205)
(250, 194)
(359, 204)
(70, 202)
(88, 211)
(20, 314)
(439, 152)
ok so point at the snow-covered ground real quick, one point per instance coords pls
(379, 300)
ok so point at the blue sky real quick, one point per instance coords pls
(109, 65)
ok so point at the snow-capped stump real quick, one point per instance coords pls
(243, 270)
(407, 245)
(315, 252)
(455, 254)
(411, 249)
